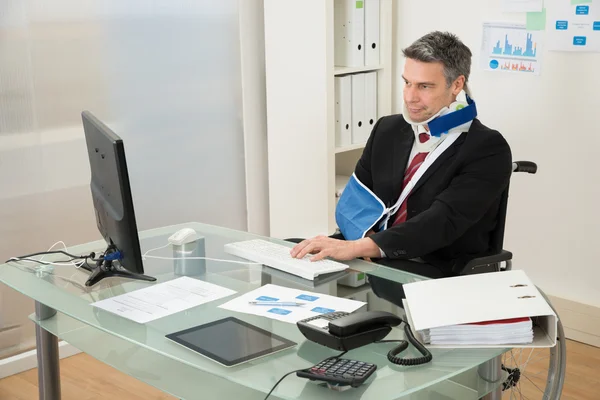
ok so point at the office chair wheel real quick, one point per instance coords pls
(536, 373)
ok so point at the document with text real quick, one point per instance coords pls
(163, 299)
(289, 305)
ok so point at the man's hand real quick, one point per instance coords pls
(323, 246)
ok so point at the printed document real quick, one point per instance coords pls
(163, 299)
(312, 304)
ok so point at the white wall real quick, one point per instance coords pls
(553, 226)
(167, 77)
(254, 105)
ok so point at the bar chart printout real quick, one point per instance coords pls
(511, 48)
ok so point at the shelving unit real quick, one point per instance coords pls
(353, 70)
(351, 147)
(300, 83)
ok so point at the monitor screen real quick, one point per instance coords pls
(111, 194)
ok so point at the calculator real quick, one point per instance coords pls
(341, 371)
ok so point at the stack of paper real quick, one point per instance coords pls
(480, 311)
(508, 331)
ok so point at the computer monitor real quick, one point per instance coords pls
(113, 204)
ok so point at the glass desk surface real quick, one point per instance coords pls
(142, 350)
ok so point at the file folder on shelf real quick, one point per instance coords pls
(371, 32)
(343, 110)
(448, 304)
(370, 101)
(360, 129)
(349, 33)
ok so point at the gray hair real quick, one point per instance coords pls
(446, 48)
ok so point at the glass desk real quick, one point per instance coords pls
(63, 311)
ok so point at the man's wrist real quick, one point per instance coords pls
(366, 247)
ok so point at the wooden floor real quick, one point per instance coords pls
(84, 378)
(582, 380)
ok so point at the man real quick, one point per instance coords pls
(447, 216)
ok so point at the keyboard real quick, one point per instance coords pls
(278, 256)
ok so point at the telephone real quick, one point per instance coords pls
(344, 331)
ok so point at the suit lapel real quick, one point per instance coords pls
(402, 148)
(449, 152)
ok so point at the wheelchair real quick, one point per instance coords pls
(532, 373)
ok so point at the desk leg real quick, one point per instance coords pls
(491, 371)
(47, 356)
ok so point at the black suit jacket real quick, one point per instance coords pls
(452, 210)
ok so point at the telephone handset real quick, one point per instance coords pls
(344, 331)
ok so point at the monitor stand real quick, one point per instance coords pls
(108, 268)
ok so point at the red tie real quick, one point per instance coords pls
(410, 171)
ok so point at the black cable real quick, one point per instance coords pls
(42, 262)
(282, 378)
(73, 258)
(391, 341)
(299, 370)
(391, 356)
(41, 253)
(338, 356)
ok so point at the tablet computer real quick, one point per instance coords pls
(230, 341)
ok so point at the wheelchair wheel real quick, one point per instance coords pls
(536, 373)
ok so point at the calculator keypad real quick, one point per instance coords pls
(341, 370)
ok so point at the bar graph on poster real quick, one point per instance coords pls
(507, 47)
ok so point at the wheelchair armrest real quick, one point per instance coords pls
(485, 263)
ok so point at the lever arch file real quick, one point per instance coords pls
(349, 31)
(360, 129)
(343, 110)
(371, 32)
(370, 102)
(472, 301)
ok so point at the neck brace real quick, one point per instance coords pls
(451, 118)
(456, 118)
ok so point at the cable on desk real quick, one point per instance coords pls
(76, 260)
(205, 258)
(145, 255)
(391, 356)
(299, 370)
(282, 378)
(50, 252)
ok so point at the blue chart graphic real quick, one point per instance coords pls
(322, 310)
(279, 311)
(582, 10)
(307, 297)
(513, 50)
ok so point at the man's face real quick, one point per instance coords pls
(426, 91)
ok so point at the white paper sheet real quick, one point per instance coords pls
(543, 335)
(315, 303)
(522, 5)
(163, 299)
(573, 27)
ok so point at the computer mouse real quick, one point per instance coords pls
(183, 236)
